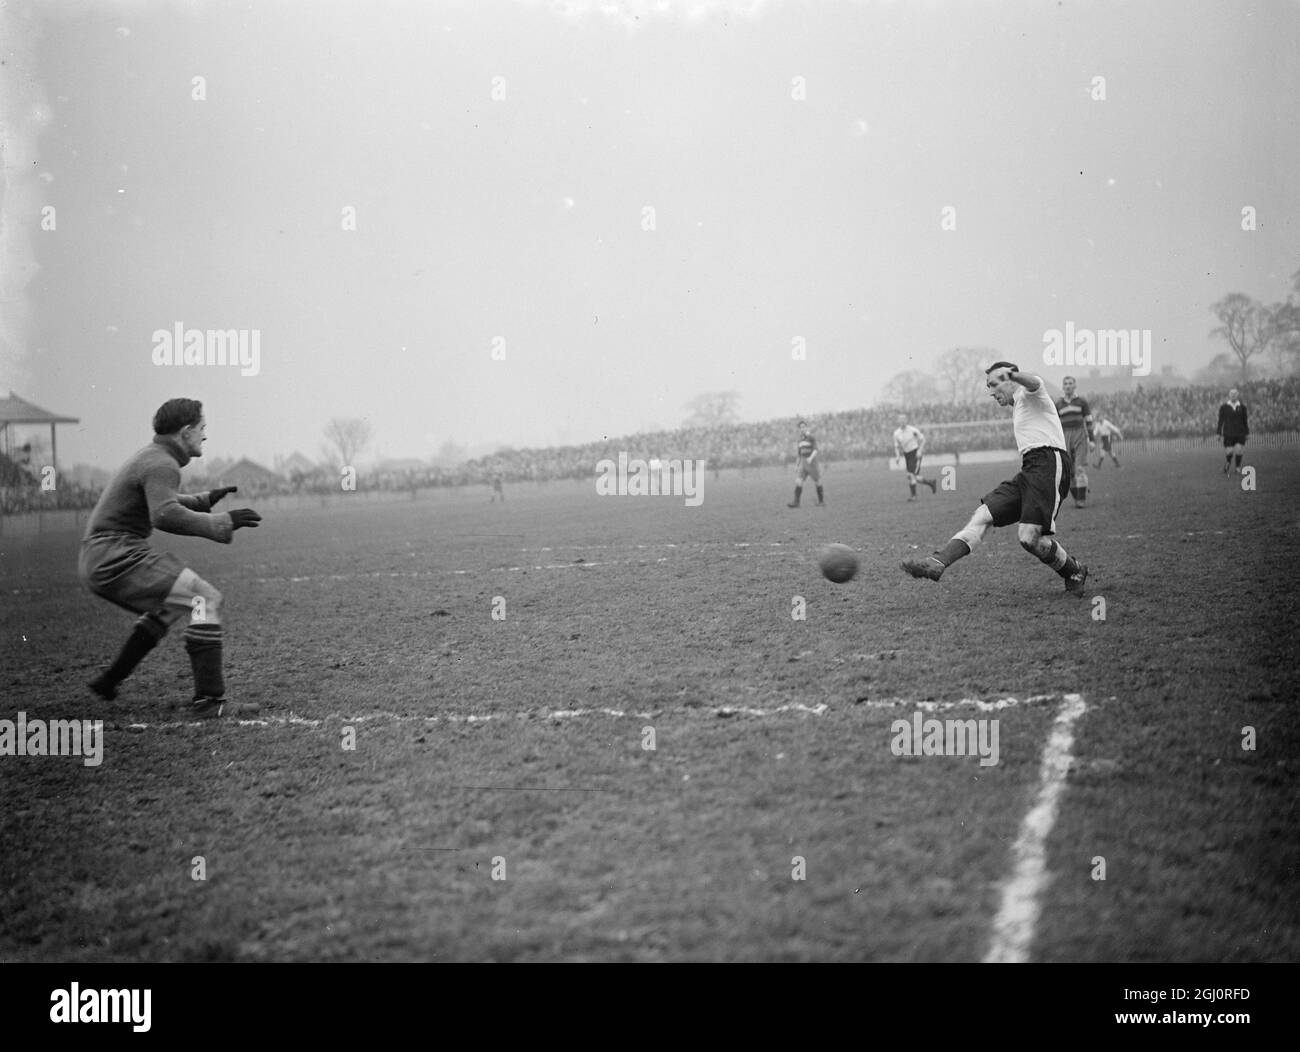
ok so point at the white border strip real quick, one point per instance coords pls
(1013, 928)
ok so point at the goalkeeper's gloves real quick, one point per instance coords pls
(215, 495)
(241, 517)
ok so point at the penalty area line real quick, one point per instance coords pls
(1017, 916)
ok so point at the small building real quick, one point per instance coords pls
(16, 413)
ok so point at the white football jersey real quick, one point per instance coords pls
(907, 438)
(1035, 418)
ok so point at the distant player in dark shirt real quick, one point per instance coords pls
(808, 466)
(1233, 429)
(117, 563)
(1076, 422)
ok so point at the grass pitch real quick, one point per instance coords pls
(514, 746)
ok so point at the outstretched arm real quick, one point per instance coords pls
(169, 514)
(1028, 381)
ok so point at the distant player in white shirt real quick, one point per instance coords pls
(1105, 433)
(909, 444)
(1034, 496)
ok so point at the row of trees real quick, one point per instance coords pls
(1254, 331)
(1261, 337)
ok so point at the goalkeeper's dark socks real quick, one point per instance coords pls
(912, 487)
(1083, 494)
(1238, 460)
(952, 551)
(821, 497)
(143, 638)
(203, 641)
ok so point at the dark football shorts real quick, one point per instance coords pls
(1105, 443)
(1233, 440)
(1035, 495)
(124, 570)
(913, 458)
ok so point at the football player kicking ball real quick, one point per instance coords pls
(1034, 496)
(117, 563)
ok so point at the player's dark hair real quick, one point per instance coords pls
(1064, 378)
(176, 413)
(1002, 365)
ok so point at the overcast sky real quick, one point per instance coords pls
(797, 158)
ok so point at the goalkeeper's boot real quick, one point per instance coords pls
(1075, 582)
(929, 567)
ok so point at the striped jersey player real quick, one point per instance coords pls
(1033, 497)
(117, 563)
(1076, 420)
(808, 466)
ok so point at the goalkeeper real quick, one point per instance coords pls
(118, 564)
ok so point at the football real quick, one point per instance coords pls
(839, 563)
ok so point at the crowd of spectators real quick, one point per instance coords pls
(1153, 412)
(1156, 412)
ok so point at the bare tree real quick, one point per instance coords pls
(961, 371)
(1246, 325)
(910, 388)
(1285, 318)
(344, 439)
(712, 409)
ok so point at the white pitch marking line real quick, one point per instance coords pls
(1013, 927)
(293, 720)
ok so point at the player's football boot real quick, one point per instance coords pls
(103, 688)
(929, 567)
(214, 708)
(1075, 582)
(793, 504)
(934, 486)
